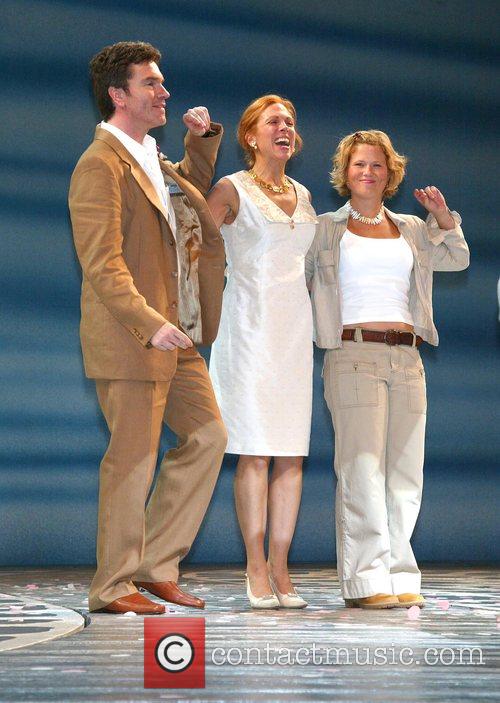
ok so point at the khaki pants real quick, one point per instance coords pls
(139, 544)
(376, 395)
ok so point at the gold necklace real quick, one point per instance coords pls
(283, 188)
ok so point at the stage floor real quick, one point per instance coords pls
(325, 652)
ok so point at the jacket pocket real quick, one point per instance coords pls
(326, 267)
(355, 384)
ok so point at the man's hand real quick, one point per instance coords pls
(169, 337)
(433, 200)
(197, 120)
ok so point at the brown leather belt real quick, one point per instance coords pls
(390, 337)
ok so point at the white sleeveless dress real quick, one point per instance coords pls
(261, 362)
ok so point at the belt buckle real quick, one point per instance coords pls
(391, 337)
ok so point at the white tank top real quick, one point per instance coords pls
(374, 279)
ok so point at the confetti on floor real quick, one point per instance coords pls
(443, 604)
(413, 613)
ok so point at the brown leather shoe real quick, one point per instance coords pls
(170, 591)
(377, 602)
(406, 600)
(135, 603)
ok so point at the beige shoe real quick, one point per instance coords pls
(377, 602)
(406, 600)
(288, 600)
(262, 602)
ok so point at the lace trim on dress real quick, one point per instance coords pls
(304, 211)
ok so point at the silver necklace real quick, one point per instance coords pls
(366, 220)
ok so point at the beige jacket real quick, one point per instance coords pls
(433, 250)
(128, 255)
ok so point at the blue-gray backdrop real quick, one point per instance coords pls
(426, 72)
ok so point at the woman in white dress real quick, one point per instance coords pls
(261, 363)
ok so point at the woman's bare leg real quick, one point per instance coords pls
(285, 490)
(251, 494)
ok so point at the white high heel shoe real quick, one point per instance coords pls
(262, 602)
(287, 600)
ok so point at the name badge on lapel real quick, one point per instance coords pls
(174, 189)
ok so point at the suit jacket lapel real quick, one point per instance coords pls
(138, 173)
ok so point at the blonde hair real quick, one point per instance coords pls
(250, 117)
(395, 162)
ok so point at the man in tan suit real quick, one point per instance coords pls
(128, 227)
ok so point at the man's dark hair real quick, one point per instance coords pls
(112, 67)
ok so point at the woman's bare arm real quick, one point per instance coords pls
(223, 202)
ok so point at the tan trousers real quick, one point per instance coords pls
(376, 394)
(135, 543)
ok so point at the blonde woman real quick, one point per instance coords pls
(261, 362)
(370, 272)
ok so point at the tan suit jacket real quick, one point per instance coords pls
(128, 255)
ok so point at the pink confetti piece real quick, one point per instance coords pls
(443, 604)
(498, 620)
(31, 587)
(16, 608)
(413, 613)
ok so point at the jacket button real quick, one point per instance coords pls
(174, 304)
(171, 242)
(174, 274)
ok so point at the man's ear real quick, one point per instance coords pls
(117, 95)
